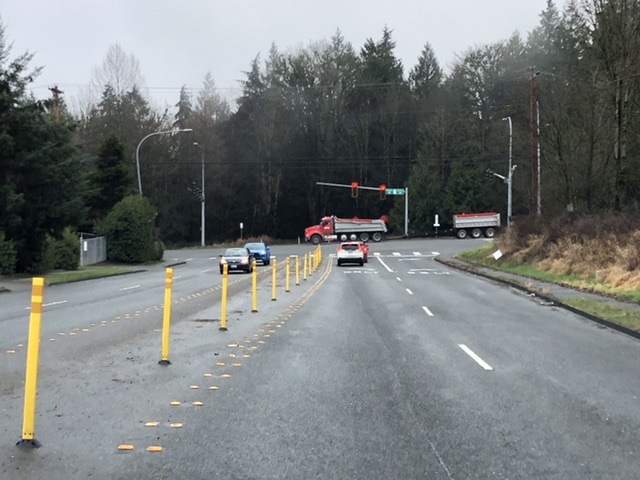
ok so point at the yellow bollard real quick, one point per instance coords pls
(254, 288)
(305, 267)
(223, 305)
(287, 267)
(31, 379)
(166, 317)
(297, 269)
(273, 280)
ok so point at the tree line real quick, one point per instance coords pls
(330, 113)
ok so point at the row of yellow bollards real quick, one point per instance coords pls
(311, 263)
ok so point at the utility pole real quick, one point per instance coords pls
(56, 96)
(533, 199)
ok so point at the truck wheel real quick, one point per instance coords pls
(476, 233)
(316, 239)
(376, 237)
(462, 233)
(490, 232)
(364, 237)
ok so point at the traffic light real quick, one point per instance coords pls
(354, 189)
(383, 192)
(488, 174)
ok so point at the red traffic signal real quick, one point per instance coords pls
(354, 189)
(383, 192)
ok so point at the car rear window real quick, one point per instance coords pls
(350, 246)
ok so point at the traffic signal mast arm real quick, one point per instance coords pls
(347, 185)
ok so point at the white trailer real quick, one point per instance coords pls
(476, 225)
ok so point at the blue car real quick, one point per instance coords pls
(260, 251)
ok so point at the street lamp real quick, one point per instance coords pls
(165, 132)
(201, 196)
(510, 175)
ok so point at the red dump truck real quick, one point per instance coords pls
(344, 229)
(475, 225)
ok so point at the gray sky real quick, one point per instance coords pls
(177, 42)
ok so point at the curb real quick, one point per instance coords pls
(470, 268)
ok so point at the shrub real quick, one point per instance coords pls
(64, 253)
(8, 256)
(130, 231)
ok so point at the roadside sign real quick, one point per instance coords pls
(395, 191)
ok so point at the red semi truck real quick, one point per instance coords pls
(344, 229)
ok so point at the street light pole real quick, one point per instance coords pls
(510, 175)
(202, 201)
(165, 132)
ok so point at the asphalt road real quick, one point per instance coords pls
(403, 368)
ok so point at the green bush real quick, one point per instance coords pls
(8, 256)
(130, 231)
(64, 253)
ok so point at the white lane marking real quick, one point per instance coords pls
(478, 360)
(178, 277)
(129, 288)
(427, 311)
(397, 254)
(399, 279)
(417, 254)
(188, 259)
(384, 264)
(423, 269)
(213, 258)
(435, 253)
(408, 259)
(208, 270)
(409, 292)
(59, 302)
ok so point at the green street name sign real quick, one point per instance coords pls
(395, 191)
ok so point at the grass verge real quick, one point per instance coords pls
(618, 315)
(83, 273)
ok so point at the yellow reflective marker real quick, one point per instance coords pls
(226, 375)
(261, 341)
(213, 387)
(237, 364)
(175, 404)
(176, 425)
(208, 375)
(151, 424)
(194, 387)
(125, 447)
(231, 345)
(220, 364)
(232, 355)
(197, 404)
(154, 448)
(246, 356)
(11, 352)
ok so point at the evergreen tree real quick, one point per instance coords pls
(111, 181)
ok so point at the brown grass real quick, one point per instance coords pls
(604, 247)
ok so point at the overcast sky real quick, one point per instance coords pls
(177, 42)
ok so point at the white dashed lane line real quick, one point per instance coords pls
(132, 287)
(427, 311)
(477, 359)
(409, 292)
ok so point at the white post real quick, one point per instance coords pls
(406, 211)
